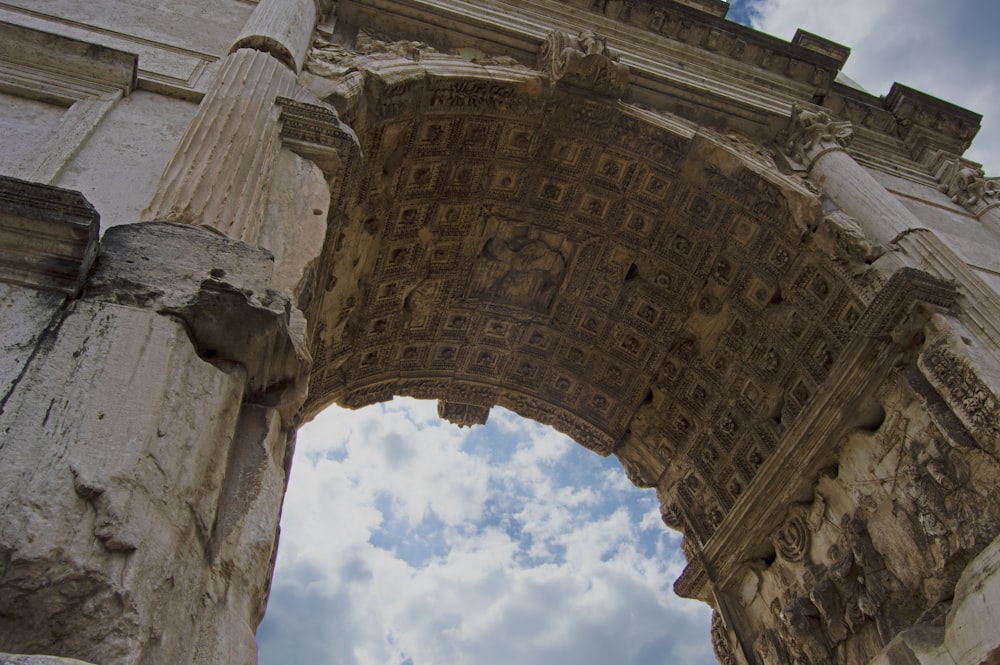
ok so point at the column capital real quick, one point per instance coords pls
(812, 133)
(966, 184)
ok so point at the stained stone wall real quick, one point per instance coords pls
(770, 295)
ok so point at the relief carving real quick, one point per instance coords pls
(769, 648)
(825, 595)
(961, 385)
(807, 640)
(521, 267)
(584, 61)
(792, 539)
(935, 491)
(721, 644)
(874, 578)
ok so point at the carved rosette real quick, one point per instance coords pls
(584, 61)
(968, 186)
(811, 134)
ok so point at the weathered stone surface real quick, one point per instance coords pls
(131, 493)
(215, 286)
(282, 28)
(501, 211)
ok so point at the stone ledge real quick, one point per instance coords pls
(48, 236)
(221, 289)
(13, 659)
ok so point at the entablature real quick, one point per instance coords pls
(687, 59)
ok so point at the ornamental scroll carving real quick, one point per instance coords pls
(969, 187)
(813, 133)
(584, 61)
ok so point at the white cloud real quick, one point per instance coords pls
(532, 550)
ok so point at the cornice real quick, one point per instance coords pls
(48, 236)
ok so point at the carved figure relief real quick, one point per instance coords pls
(521, 267)
(803, 622)
(935, 491)
(584, 61)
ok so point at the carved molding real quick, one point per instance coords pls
(463, 415)
(48, 236)
(813, 133)
(584, 61)
(316, 133)
(906, 288)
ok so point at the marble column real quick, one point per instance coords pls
(817, 144)
(218, 175)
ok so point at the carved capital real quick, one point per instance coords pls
(968, 186)
(813, 133)
(316, 133)
(584, 61)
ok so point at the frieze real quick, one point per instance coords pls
(584, 61)
(960, 384)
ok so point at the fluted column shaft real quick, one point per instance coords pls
(218, 175)
(817, 145)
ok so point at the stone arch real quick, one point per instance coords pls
(807, 376)
(654, 289)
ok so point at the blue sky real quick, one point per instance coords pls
(406, 541)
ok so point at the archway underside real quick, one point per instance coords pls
(651, 289)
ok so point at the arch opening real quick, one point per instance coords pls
(407, 539)
(652, 289)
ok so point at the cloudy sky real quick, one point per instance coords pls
(406, 541)
(946, 48)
